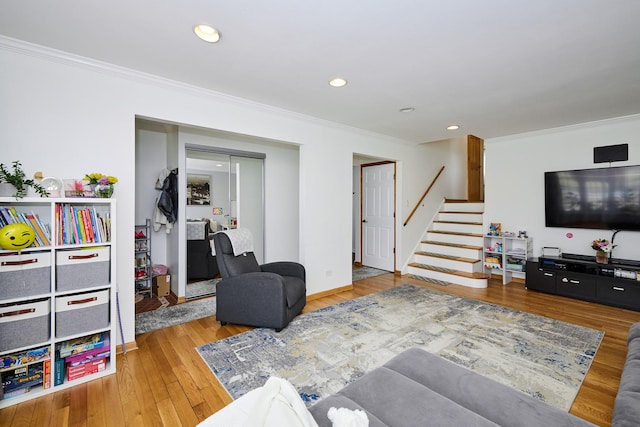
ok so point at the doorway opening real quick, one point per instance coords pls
(374, 200)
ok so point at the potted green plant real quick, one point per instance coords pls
(16, 178)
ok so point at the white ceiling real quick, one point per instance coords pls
(495, 67)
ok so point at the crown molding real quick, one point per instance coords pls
(567, 128)
(69, 59)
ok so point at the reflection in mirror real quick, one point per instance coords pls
(223, 191)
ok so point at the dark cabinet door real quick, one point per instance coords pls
(576, 285)
(619, 292)
(540, 280)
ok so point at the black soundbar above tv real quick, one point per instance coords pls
(603, 198)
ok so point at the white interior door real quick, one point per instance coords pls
(378, 216)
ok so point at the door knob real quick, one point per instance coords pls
(364, 220)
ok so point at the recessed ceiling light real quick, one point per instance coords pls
(453, 127)
(207, 33)
(338, 82)
(407, 110)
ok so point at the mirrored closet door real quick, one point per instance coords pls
(224, 190)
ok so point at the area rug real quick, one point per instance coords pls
(174, 315)
(201, 289)
(364, 272)
(320, 352)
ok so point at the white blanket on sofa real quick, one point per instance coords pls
(276, 404)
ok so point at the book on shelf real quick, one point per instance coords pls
(89, 355)
(80, 345)
(80, 225)
(46, 381)
(58, 372)
(25, 357)
(23, 376)
(75, 372)
(9, 215)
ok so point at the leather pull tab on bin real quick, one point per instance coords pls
(93, 255)
(18, 312)
(21, 262)
(82, 301)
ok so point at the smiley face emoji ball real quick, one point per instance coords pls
(16, 236)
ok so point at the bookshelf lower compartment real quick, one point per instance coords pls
(29, 373)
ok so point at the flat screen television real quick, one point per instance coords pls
(603, 198)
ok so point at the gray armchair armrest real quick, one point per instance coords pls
(285, 268)
(257, 299)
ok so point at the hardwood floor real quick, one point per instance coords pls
(166, 383)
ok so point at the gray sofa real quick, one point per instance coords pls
(626, 412)
(417, 388)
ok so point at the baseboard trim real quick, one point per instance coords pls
(329, 292)
(180, 300)
(130, 346)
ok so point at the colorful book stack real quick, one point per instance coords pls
(24, 371)
(9, 215)
(77, 225)
(83, 356)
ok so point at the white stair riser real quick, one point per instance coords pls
(460, 217)
(467, 267)
(452, 250)
(454, 238)
(463, 207)
(458, 280)
(457, 227)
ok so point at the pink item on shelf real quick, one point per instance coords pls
(159, 270)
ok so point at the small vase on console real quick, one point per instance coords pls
(602, 257)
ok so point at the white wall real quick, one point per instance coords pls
(151, 158)
(68, 116)
(418, 173)
(514, 180)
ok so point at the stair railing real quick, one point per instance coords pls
(423, 196)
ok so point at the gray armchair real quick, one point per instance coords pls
(268, 295)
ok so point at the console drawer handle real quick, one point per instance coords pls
(617, 288)
(548, 274)
(575, 282)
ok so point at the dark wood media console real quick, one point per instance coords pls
(580, 277)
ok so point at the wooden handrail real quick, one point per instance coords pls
(423, 196)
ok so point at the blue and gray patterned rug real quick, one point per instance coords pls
(165, 317)
(321, 351)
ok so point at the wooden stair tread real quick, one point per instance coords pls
(461, 212)
(457, 233)
(439, 221)
(453, 245)
(475, 275)
(449, 257)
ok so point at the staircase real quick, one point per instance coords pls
(451, 249)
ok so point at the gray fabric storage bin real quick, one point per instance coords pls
(25, 274)
(83, 312)
(24, 324)
(82, 268)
